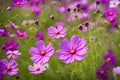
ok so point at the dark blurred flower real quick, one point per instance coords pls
(3, 32)
(10, 67)
(102, 73)
(19, 3)
(2, 67)
(21, 34)
(110, 58)
(11, 45)
(97, 2)
(1, 76)
(105, 1)
(109, 12)
(86, 23)
(83, 28)
(41, 54)
(39, 35)
(36, 2)
(36, 22)
(110, 15)
(52, 17)
(80, 27)
(72, 50)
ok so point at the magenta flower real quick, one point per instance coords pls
(40, 53)
(11, 45)
(10, 67)
(2, 67)
(19, 3)
(102, 73)
(13, 54)
(39, 35)
(116, 71)
(110, 58)
(110, 12)
(56, 32)
(1, 76)
(59, 24)
(110, 15)
(38, 68)
(21, 34)
(35, 9)
(73, 50)
(3, 32)
(105, 1)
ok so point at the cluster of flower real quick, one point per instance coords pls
(10, 66)
(109, 60)
(70, 51)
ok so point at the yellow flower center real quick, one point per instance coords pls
(108, 59)
(20, 34)
(37, 68)
(111, 19)
(18, 3)
(57, 32)
(12, 52)
(42, 52)
(72, 51)
(102, 72)
(10, 47)
(111, 13)
(8, 67)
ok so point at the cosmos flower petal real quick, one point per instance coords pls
(69, 59)
(64, 44)
(36, 58)
(13, 63)
(61, 54)
(74, 41)
(82, 51)
(51, 29)
(12, 73)
(31, 68)
(79, 58)
(40, 45)
(81, 44)
(33, 51)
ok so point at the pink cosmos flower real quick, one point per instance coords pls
(40, 53)
(56, 32)
(13, 54)
(73, 50)
(19, 3)
(116, 71)
(38, 68)
(10, 67)
(21, 34)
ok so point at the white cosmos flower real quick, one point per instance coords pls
(114, 3)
